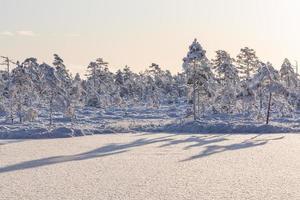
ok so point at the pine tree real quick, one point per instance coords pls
(52, 92)
(247, 63)
(157, 75)
(228, 80)
(62, 73)
(180, 84)
(221, 58)
(7, 62)
(20, 90)
(128, 78)
(3, 81)
(226, 70)
(199, 74)
(267, 87)
(288, 75)
(3, 91)
(119, 78)
(76, 94)
(35, 73)
(96, 72)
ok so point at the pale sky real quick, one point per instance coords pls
(139, 32)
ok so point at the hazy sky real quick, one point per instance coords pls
(139, 32)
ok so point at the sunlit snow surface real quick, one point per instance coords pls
(152, 166)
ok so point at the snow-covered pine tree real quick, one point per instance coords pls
(61, 70)
(291, 81)
(101, 73)
(96, 73)
(3, 91)
(226, 70)
(20, 89)
(7, 63)
(138, 86)
(169, 87)
(163, 90)
(2, 87)
(199, 75)
(92, 69)
(247, 63)
(148, 88)
(156, 74)
(119, 82)
(52, 92)
(76, 96)
(288, 75)
(228, 81)
(35, 72)
(180, 85)
(107, 87)
(270, 92)
(221, 57)
(92, 98)
(63, 75)
(128, 77)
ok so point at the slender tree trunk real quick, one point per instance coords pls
(194, 92)
(198, 101)
(269, 108)
(260, 101)
(50, 109)
(244, 107)
(73, 117)
(94, 77)
(11, 111)
(194, 103)
(20, 113)
(10, 99)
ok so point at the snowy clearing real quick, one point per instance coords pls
(169, 119)
(152, 166)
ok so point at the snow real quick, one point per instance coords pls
(142, 119)
(152, 166)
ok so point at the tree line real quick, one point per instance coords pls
(223, 85)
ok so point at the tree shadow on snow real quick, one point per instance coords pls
(4, 142)
(208, 142)
(107, 150)
(195, 141)
(249, 143)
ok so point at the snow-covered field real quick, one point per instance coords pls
(171, 119)
(152, 166)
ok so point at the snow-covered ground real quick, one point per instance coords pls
(171, 119)
(152, 166)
